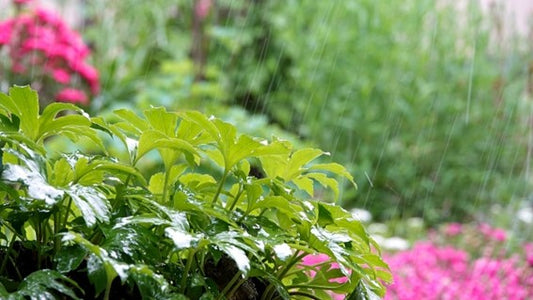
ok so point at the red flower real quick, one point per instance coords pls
(41, 41)
(72, 96)
(20, 2)
(61, 76)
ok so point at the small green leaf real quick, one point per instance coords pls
(163, 121)
(298, 160)
(305, 184)
(325, 181)
(138, 124)
(334, 168)
(203, 122)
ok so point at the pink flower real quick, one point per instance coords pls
(42, 42)
(72, 96)
(6, 29)
(453, 229)
(20, 2)
(202, 8)
(61, 76)
(499, 235)
(430, 272)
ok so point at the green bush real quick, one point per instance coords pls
(86, 225)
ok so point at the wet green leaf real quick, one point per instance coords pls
(91, 202)
(40, 284)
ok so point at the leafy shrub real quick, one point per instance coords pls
(40, 44)
(82, 225)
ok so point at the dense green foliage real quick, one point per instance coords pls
(90, 224)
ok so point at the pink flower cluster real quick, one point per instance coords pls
(41, 42)
(431, 272)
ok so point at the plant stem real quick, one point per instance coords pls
(69, 203)
(190, 259)
(270, 288)
(310, 296)
(230, 284)
(236, 199)
(165, 186)
(6, 257)
(219, 189)
(108, 289)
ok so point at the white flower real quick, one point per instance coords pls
(395, 244)
(415, 222)
(378, 228)
(361, 215)
(525, 215)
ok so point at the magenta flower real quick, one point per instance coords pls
(61, 76)
(499, 235)
(453, 229)
(20, 2)
(202, 8)
(72, 96)
(40, 41)
(431, 272)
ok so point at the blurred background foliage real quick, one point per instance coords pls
(426, 103)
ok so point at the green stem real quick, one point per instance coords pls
(309, 286)
(188, 265)
(294, 259)
(165, 186)
(69, 203)
(236, 199)
(219, 189)
(269, 291)
(226, 291)
(108, 289)
(57, 238)
(4, 261)
(310, 296)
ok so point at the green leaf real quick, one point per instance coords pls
(243, 148)
(304, 183)
(97, 273)
(138, 124)
(99, 262)
(203, 122)
(183, 239)
(334, 168)
(91, 202)
(325, 181)
(150, 284)
(69, 258)
(3, 291)
(39, 284)
(31, 175)
(298, 160)
(152, 139)
(26, 107)
(163, 121)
